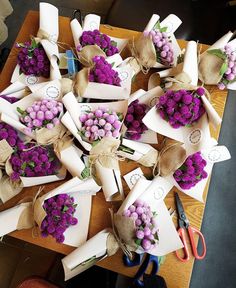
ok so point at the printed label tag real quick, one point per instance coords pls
(31, 80)
(85, 108)
(132, 177)
(217, 154)
(152, 102)
(159, 192)
(195, 136)
(52, 92)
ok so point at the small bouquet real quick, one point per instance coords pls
(38, 59)
(102, 78)
(218, 63)
(108, 119)
(89, 35)
(147, 219)
(140, 102)
(192, 176)
(63, 213)
(183, 112)
(157, 46)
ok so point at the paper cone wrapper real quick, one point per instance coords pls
(91, 23)
(153, 193)
(190, 65)
(14, 218)
(25, 80)
(7, 188)
(139, 152)
(154, 19)
(154, 79)
(75, 109)
(111, 182)
(16, 89)
(232, 44)
(87, 255)
(211, 155)
(71, 159)
(222, 41)
(109, 92)
(148, 98)
(81, 191)
(49, 24)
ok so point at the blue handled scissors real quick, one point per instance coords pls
(149, 259)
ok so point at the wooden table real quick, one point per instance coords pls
(176, 273)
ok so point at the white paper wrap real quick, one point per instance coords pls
(212, 155)
(153, 193)
(16, 89)
(87, 255)
(75, 109)
(49, 24)
(172, 22)
(82, 192)
(197, 136)
(92, 22)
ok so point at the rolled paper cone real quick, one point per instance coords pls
(213, 116)
(232, 44)
(115, 60)
(190, 65)
(13, 88)
(86, 255)
(152, 22)
(136, 95)
(48, 20)
(76, 31)
(91, 22)
(222, 41)
(71, 105)
(172, 22)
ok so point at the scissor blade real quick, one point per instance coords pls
(180, 209)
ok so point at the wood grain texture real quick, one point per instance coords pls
(176, 273)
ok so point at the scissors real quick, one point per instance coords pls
(149, 259)
(185, 224)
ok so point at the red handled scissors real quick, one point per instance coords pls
(185, 225)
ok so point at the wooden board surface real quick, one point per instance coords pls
(176, 273)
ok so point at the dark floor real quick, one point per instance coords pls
(19, 259)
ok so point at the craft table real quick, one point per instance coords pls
(176, 273)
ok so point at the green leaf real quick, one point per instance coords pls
(223, 68)
(157, 26)
(163, 29)
(65, 208)
(218, 52)
(126, 149)
(85, 173)
(23, 166)
(198, 177)
(138, 241)
(31, 164)
(188, 125)
(20, 111)
(183, 168)
(114, 43)
(112, 64)
(33, 43)
(180, 58)
(51, 159)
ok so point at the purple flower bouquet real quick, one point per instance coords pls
(90, 122)
(89, 34)
(217, 64)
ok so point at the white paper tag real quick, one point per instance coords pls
(216, 154)
(132, 177)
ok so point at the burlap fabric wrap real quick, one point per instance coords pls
(143, 51)
(5, 151)
(104, 153)
(85, 57)
(209, 68)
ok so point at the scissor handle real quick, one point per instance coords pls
(155, 266)
(191, 232)
(185, 248)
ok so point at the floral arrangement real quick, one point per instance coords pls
(133, 120)
(10, 135)
(100, 123)
(32, 59)
(163, 45)
(97, 38)
(146, 235)
(102, 72)
(9, 99)
(41, 114)
(228, 68)
(181, 108)
(60, 210)
(33, 161)
(191, 172)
